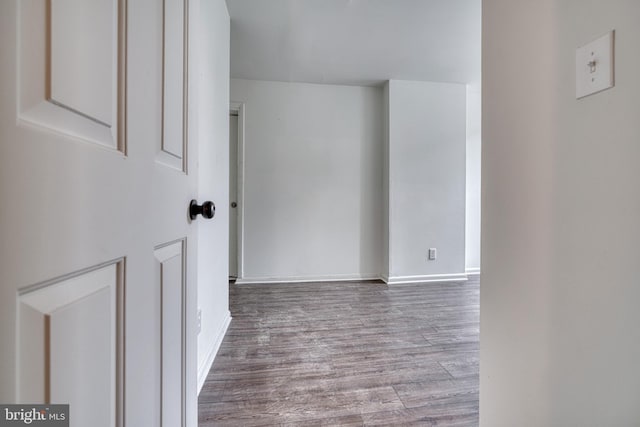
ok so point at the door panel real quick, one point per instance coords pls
(70, 84)
(82, 72)
(90, 98)
(174, 38)
(170, 268)
(69, 344)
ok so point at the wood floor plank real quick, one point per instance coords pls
(342, 354)
(414, 395)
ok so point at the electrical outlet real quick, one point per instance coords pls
(432, 254)
(199, 320)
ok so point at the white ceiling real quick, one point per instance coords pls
(360, 42)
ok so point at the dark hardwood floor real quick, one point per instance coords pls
(339, 354)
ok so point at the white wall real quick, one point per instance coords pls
(473, 179)
(213, 174)
(426, 178)
(559, 340)
(313, 180)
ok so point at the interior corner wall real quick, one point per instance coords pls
(312, 181)
(385, 184)
(213, 179)
(473, 179)
(426, 179)
(559, 342)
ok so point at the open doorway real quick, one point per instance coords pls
(236, 205)
(233, 195)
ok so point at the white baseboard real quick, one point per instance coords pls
(205, 367)
(461, 277)
(305, 279)
(354, 277)
(473, 271)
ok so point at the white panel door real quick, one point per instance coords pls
(97, 168)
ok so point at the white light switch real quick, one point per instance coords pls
(594, 66)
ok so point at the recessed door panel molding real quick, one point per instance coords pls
(74, 85)
(70, 348)
(171, 261)
(174, 84)
(83, 68)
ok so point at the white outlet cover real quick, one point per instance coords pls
(594, 66)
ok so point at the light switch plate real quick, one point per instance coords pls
(594, 66)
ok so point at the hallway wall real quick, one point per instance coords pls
(313, 181)
(426, 170)
(560, 208)
(349, 182)
(212, 125)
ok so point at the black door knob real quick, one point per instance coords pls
(207, 209)
(234, 205)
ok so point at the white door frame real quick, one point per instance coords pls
(239, 108)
